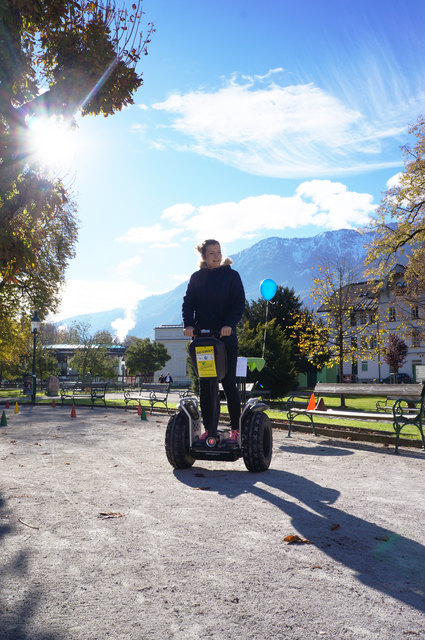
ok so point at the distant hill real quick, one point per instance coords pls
(290, 262)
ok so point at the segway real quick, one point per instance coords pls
(183, 442)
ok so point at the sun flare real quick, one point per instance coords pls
(52, 142)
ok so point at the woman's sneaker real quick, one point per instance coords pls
(234, 437)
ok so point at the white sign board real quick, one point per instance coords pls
(420, 372)
(241, 367)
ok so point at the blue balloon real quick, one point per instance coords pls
(268, 288)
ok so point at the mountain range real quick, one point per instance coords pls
(290, 262)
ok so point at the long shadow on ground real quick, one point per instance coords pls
(15, 618)
(381, 559)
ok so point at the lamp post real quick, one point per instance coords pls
(35, 328)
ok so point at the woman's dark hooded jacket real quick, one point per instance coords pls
(215, 298)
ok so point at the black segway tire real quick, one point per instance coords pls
(177, 442)
(257, 442)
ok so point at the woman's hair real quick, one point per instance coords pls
(202, 246)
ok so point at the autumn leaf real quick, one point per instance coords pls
(293, 538)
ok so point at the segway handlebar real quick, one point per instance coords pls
(197, 332)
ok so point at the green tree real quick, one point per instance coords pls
(282, 308)
(13, 346)
(93, 360)
(45, 363)
(279, 374)
(340, 301)
(58, 57)
(399, 225)
(104, 337)
(291, 316)
(311, 337)
(144, 357)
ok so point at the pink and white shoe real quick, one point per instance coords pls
(234, 437)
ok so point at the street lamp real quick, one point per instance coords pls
(35, 328)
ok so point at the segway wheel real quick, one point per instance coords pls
(257, 442)
(177, 442)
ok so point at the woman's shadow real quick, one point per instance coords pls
(381, 559)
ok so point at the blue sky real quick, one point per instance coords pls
(255, 119)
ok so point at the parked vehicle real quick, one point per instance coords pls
(401, 378)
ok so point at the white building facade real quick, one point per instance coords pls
(173, 339)
(377, 314)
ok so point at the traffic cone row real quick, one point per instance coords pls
(73, 412)
(3, 422)
(143, 414)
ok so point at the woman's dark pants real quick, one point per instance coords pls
(210, 399)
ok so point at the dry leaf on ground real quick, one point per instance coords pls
(291, 539)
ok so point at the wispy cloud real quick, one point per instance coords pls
(286, 130)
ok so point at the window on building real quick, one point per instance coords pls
(363, 317)
(364, 365)
(373, 342)
(391, 314)
(353, 320)
(416, 339)
(415, 312)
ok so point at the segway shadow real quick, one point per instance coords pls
(183, 443)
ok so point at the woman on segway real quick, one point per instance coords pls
(215, 300)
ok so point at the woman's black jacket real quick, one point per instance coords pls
(215, 298)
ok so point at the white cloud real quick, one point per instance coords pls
(394, 181)
(337, 208)
(150, 235)
(325, 204)
(265, 128)
(178, 212)
(84, 296)
(127, 266)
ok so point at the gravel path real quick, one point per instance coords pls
(200, 553)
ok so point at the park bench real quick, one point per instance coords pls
(153, 392)
(82, 390)
(412, 395)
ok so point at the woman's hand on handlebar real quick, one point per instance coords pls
(188, 331)
(225, 331)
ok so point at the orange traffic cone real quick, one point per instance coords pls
(311, 403)
(73, 412)
(139, 410)
(7, 405)
(16, 408)
(53, 403)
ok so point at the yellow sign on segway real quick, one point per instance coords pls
(206, 362)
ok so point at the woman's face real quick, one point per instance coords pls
(213, 256)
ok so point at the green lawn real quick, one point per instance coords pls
(275, 412)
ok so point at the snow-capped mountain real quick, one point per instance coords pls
(290, 262)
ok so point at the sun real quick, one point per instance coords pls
(52, 142)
